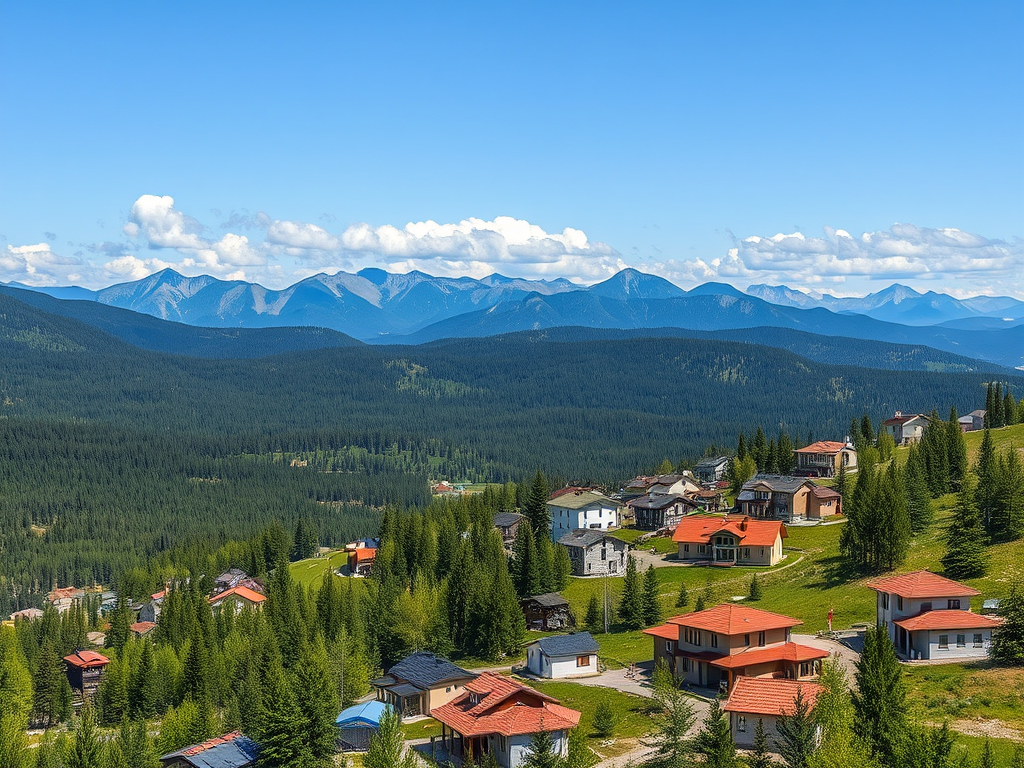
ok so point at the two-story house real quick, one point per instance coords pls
(710, 471)
(581, 509)
(656, 511)
(906, 428)
(775, 497)
(594, 553)
(729, 540)
(930, 617)
(712, 648)
(825, 457)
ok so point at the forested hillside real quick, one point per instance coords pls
(109, 452)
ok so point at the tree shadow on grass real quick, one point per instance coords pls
(836, 571)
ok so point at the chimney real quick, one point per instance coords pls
(743, 523)
(898, 414)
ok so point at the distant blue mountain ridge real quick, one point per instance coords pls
(381, 307)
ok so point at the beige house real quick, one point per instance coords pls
(824, 502)
(775, 497)
(733, 540)
(420, 683)
(906, 428)
(715, 647)
(764, 699)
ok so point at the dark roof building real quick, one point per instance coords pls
(547, 612)
(232, 750)
(420, 682)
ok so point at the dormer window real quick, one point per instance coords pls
(474, 699)
(954, 604)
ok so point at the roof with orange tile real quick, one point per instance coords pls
(770, 696)
(362, 554)
(506, 707)
(922, 584)
(730, 619)
(142, 627)
(751, 533)
(948, 619)
(87, 659)
(822, 446)
(243, 592)
(664, 631)
(792, 652)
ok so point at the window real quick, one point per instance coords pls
(953, 604)
(977, 639)
(741, 724)
(714, 641)
(943, 641)
(604, 553)
(590, 566)
(448, 689)
(583, 661)
(805, 668)
(926, 607)
(760, 638)
(746, 553)
(701, 549)
(668, 646)
(899, 603)
(686, 547)
(885, 601)
(961, 641)
(746, 639)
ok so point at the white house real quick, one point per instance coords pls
(765, 699)
(930, 617)
(575, 508)
(563, 656)
(906, 428)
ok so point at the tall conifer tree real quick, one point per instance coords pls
(880, 701)
(965, 556)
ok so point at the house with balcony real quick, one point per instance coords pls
(906, 428)
(714, 647)
(732, 540)
(824, 458)
(656, 511)
(497, 715)
(775, 497)
(930, 617)
(580, 508)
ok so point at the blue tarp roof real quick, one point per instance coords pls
(361, 715)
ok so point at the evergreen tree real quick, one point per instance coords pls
(797, 734)
(317, 699)
(841, 480)
(387, 746)
(593, 617)
(759, 450)
(650, 600)
(52, 693)
(280, 721)
(1009, 408)
(546, 564)
(670, 741)
(986, 495)
(741, 448)
(772, 462)
(760, 756)
(989, 406)
(915, 480)
(935, 452)
(1008, 512)
(562, 569)
(1008, 639)
(755, 589)
(867, 432)
(714, 740)
(787, 459)
(143, 686)
(604, 719)
(631, 602)
(965, 556)
(524, 565)
(120, 625)
(134, 745)
(957, 448)
(740, 471)
(536, 505)
(879, 703)
(833, 711)
(997, 411)
(891, 536)
(86, 750)
(682, 599)
(541, 752)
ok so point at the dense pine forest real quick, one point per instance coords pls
(110, 453)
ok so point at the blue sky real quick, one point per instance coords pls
(832, 146)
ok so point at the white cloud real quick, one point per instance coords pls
(38, 265)
(155, 219)
(296, 234)
(904, 252)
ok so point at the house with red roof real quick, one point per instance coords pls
(732, 540)
(84, 670)
(765, 699)
(906, 428)
(823, 458)
(497, 715)
(237, 599)
(715, 647)
(930, 617)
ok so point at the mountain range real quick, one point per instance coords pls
(375, 306)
